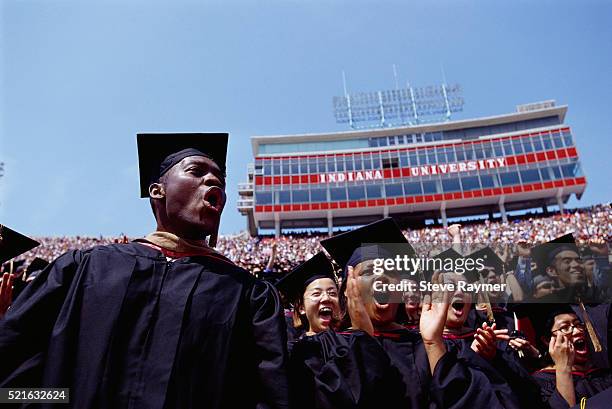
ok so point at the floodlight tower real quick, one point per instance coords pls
(399, 106)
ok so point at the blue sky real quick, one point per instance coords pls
(81, 78)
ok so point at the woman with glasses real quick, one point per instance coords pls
(570, 374)
(328, 369)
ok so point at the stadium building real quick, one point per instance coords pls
(483, 166)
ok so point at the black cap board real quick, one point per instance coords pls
(353, 247)
(489, 258)
(13, 244)
(158, 152)
(296, 281)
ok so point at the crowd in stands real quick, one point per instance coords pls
(253, 253)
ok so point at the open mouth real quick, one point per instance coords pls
(580, 346)
(457, 307)
(326, 314)
(214, 198)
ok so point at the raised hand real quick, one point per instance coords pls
(6, 293)
(484, 343)
(561, 351)
(431, 325)
(355, 304)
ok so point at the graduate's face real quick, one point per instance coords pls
(570, 326)
(321, 304)
(568, 268)
(460, 303)
(194, 196)
(380, 311)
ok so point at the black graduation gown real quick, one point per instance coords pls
(586, 384)
(405, 349)
(122, 327)
(463, 379)
(343, 370)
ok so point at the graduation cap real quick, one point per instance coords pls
(449, 256)
(296, 281)
(350, 248)
(490, 259)
(544, 254)
(13, 244)
(542, 316)
(157, 153)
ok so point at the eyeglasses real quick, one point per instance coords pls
(316, 295)
(569, 328)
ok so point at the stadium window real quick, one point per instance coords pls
(404, 160)
(556, 172)
(557, 140)
(429, 187)
(486, 181)
(460, 154)
(300, 196)
(547, 142)
(418, 138)
(285, 167)
(450, 185)
(358, 163)
(479, 152)
(507, 148)
(295, 168)
(509, 178)
(488, 150)
(530, 176)
(267, 169)
(431, 155)
(349, 163)
(518, 147)
(356, 193)
(412, 156)
(318, 195)
(276, 167)
(497, 147)
(470, 183)
(527, 145)
(569, 171)
(428, 137)
(373, 191)
(337, 194)
(263, 198)
(331, 164)
(394, 190)
(450, 155)
(413, 188)
(537, 143)
(367, 163)
(469, 152)
(303, 166)
(373, 142)
(340, 165)
(545, 174)
(567, 138)
(388, 163)
(283, 197)
(376, 162)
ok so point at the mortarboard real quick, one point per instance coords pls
(351, 248)
(544, 254)
(490, 259)
(13, 244)
(157, 153)
(296, 281)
